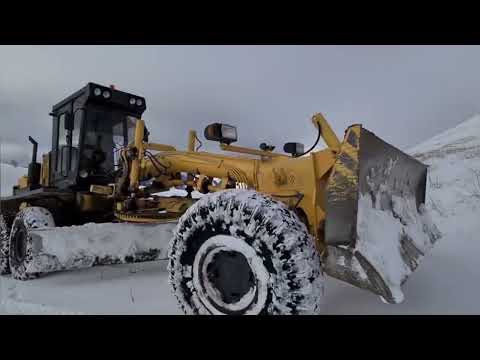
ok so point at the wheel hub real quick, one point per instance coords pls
(20, 245)
(229, 277)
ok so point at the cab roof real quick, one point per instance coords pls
(117, 99)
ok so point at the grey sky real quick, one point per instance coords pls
(404, 94)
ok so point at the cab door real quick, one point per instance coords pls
(66, 147)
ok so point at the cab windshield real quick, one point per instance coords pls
(106, 132)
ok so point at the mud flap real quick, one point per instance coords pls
(377, 229)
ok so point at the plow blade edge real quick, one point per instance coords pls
(377, 229)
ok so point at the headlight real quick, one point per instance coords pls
(229, 132)
(139, 102)
(132, 101)
(83, 174)
(221, 132)
(293, 148)
(106, 94)
(97, 92)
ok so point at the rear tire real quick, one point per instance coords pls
(4, 247)
(21, 250)
(238, 252)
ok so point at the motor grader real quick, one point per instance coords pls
(267, 228)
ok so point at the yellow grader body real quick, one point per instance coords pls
(259, 240)
(323, 189)
(298, 182)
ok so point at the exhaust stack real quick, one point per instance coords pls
(34, 168)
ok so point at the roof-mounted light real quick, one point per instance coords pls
(294, 149)
(223, 133)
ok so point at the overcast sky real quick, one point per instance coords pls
(405, 94)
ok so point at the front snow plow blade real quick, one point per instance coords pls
(77, 247)
(377, 229)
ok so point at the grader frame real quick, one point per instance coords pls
(298, 182)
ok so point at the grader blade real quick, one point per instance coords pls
(76, 247)
(377, 229)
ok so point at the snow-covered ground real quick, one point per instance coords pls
(446, 282)
(120, 289)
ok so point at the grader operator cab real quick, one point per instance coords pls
(89, 128)
(259, 241)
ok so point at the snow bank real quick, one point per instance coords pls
(459, 139)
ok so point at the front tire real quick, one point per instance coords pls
(4, 247)
(21, 247)
(238, 252)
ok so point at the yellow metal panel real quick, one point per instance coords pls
(45, 173)
(327, 133)
(23, 205)
(192, 135)
(244, 150)
(158, 147)
(101, 189)
(138, 144)
(22, 182)
(303, 179)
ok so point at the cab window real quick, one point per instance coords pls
(62, 138)
(131, 122)
(77, 126)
